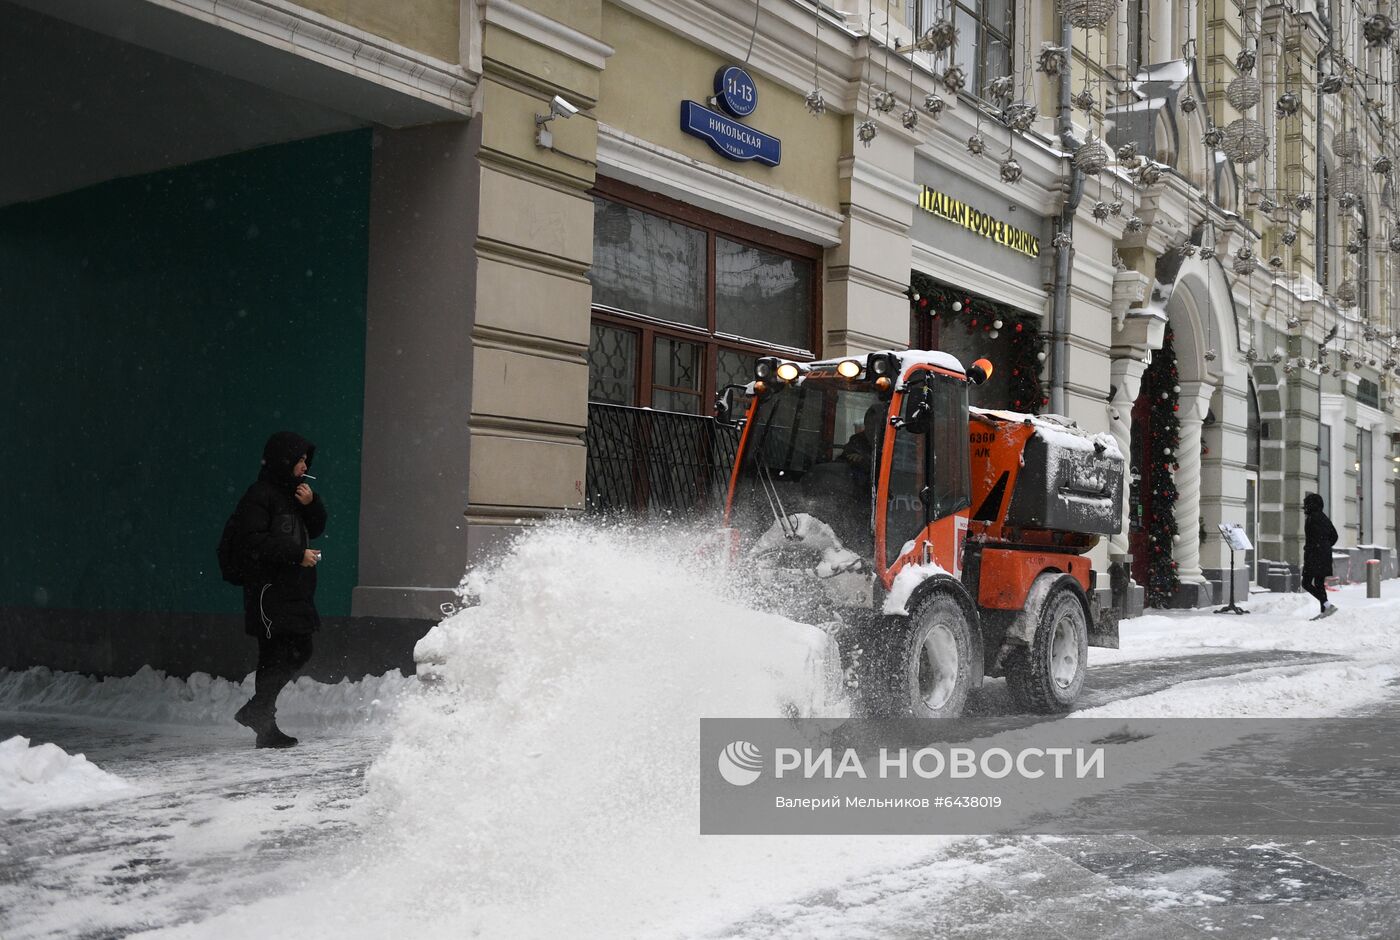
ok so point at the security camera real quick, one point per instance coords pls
(561, 108)
(558, 108)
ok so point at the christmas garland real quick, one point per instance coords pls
(1163, 386)
(977, 314)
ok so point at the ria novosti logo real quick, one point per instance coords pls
(741, 763)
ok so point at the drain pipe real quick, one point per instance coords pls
(1059, 308)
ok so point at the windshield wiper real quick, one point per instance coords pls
(775, 501)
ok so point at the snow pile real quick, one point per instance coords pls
(45, 777)
(1364, 628)
(909, 578)
(152, 696)
(1365, 632)
(550, 782)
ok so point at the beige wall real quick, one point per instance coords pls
(429, 26)
(653, 71)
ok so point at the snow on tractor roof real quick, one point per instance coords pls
(1058, 430)
(907, 358)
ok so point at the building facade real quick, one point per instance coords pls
(475, 248)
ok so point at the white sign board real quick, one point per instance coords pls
(1234, 536)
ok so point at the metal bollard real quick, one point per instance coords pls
(1373, 578)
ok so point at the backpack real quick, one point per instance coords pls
(235, 564)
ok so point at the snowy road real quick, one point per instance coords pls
(213, 824)
(217, 824)
(472, 815)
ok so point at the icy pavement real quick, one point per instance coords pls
(214, 823)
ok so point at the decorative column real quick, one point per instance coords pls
(1126, 374)
(1194, 403)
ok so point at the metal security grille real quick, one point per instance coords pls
(656, 462)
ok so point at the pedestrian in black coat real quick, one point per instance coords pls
(274, 522)
(1319, 535)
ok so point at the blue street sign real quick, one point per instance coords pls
(735, 91)
(728, 137)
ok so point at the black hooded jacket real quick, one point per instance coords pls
(1319, 535)
(275, 530)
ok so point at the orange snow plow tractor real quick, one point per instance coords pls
(939, 543)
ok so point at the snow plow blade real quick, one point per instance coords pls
(1103, 624)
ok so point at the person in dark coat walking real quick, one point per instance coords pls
(1319, 535)
(275, 522)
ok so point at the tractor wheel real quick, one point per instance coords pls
(1049, 674)
(919, 666)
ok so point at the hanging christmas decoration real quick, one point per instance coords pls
(1000, 90)
(1207, 252)
(1287, 105)
(1020, 117)
(1100, 211)
(866, 132)
(1244, 93)
(1378, 30)
(941, 36)
(1010, 171)
(1346, 293)
(934, 105)
(1157, 482)
(1213, 138)
(1331, 84)
(1244, 261)
(1188, 104)
(976, 145)
(1348, 179)
(1088, 14)
(1084, 100)
(1382, 165)
(1091, 157)
(883, 101)
(1063, 241)
(816, 104)
(1394, 242)
(1346, 143)
(1246, 60)
(1133, 224)
(1288, 236)
(1244, 140)
(954, 79)
(1303, 202)
(1052, 59)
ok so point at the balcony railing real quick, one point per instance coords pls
(654, 463)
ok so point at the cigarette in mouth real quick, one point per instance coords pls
(307, 476)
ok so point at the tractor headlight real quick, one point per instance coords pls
(882, 364)
(788, 371)
(848, 368)
(766, 367)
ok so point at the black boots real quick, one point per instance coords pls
(273, 737)
(269, 735)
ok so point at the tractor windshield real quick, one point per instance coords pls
(811, 449)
